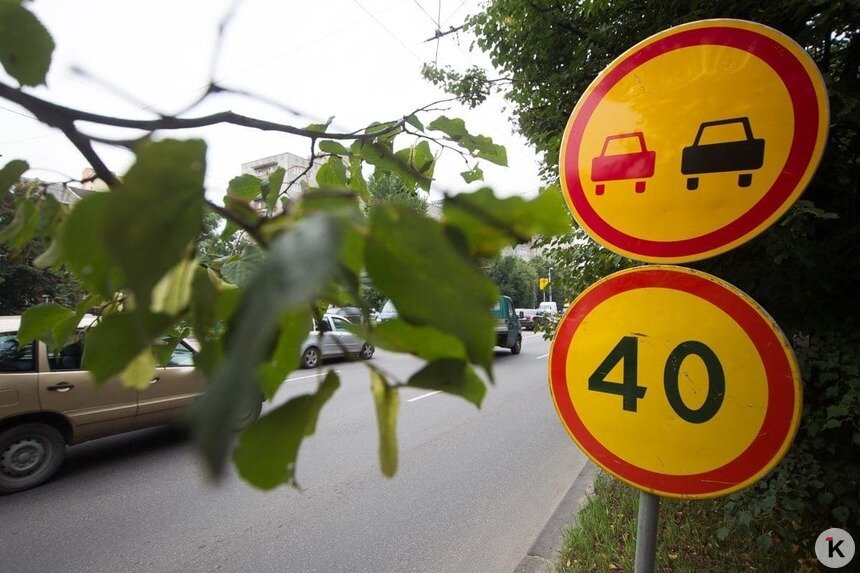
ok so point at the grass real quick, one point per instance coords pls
(604, 538)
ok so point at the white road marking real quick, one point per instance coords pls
(423, 396)
(541, 356)
(320, 376)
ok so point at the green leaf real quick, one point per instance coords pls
(161, 208)
(271, 187)
(294, 329)
(12, 171)
(241, 269)
(415, 122)
(204, 301)
(320, 127)
(489, 223)
(164, 349)
(51, 256)
(332, 173)
(23, 226)
(26, 46)
(268, 448)
(381, 156)
(422, 341)
(118, 339)
(417, 159)
(299, 264)
(841, 513)
(138, 373)
(722, 533)
(245, 187)
(410, 257)
(387, 401)
(40, 321)
(451, 376)
(478, 145)
(333, 147)
(388, 128)
(764, 542)
(474, 174)
(173, 292)
(84, 247)
(454, 128)
(356, 177)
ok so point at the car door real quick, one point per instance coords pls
(343, 337)
(93, 411)
(19, 377)
(171, 391)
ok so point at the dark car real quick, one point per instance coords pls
(527, 317)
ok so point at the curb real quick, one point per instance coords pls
(544, 551)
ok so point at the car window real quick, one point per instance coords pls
(182, 356)
(340, 324)
(389, 307)
(67, 358)
(14, 358)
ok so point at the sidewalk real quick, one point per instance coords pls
(544, 551)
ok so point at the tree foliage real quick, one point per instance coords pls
(25, 282)
(145, 252)
(515, 278)
(803, 270)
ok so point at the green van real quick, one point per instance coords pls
(508, 334)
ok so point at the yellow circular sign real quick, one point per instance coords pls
(694, 141)
(675, 382)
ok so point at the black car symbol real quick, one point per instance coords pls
(741, 155)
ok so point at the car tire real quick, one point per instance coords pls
(29, 455)
(366, 352)
(251, 413)
(518, 345)
(311, 357)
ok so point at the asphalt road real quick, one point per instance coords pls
(473, 490)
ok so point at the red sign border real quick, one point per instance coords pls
(784, 395)
(801, 161)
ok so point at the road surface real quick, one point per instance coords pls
(473, 490)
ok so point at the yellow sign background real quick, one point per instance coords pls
(654, 437)
(667, 99)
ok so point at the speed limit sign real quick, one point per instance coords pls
(675, 382)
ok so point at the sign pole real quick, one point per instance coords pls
(646, 533)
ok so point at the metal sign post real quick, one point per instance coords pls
(646, 533)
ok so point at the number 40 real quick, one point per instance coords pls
(627, 352)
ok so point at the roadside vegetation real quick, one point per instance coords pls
(604, 537)
(803, 270)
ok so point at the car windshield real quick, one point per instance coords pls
(389, 307)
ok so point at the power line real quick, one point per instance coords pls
(457, 9)
(18, 113)
(435, 22)
(390, 33)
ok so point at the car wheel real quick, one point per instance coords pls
(29, 455)
(251, 413)
(366, 352)
(311, 357)
(518, 345)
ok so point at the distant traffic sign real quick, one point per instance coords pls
(694, 141)
(675, 382)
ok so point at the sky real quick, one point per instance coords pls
(358, 60)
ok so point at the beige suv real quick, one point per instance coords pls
(47, 401)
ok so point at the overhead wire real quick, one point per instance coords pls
(390, 33)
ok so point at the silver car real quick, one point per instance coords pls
(329, 338)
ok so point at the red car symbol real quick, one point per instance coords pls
(636, 165)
